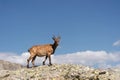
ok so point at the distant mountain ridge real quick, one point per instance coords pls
(6, 65)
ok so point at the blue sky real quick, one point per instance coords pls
(82, 24)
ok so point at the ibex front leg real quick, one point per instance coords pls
(45, 60)
(50, 60)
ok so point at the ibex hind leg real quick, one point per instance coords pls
(28, 60)
(33, 60)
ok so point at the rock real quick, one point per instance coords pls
(103, 72)
(61, 72)
(4, 73)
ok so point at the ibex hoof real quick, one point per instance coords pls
(50, 65)
(27, 66)
(43, 63)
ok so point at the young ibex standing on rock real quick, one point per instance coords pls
(43, 50)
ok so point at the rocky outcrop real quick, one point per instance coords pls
(61, 72)
(5, 65)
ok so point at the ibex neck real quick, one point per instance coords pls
(54, 47)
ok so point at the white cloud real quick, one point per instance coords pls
(117, 43)
(90, 58)
(21, 59)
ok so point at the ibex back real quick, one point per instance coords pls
(43, 50)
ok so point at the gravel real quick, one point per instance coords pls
(61, 72)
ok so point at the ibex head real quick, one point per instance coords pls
(56, 39)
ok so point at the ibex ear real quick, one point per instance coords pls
(53, 37)
(59, 37)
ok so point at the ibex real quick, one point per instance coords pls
(43, 50)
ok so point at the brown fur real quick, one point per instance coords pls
(43, 50)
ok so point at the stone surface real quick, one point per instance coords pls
(61, 72)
